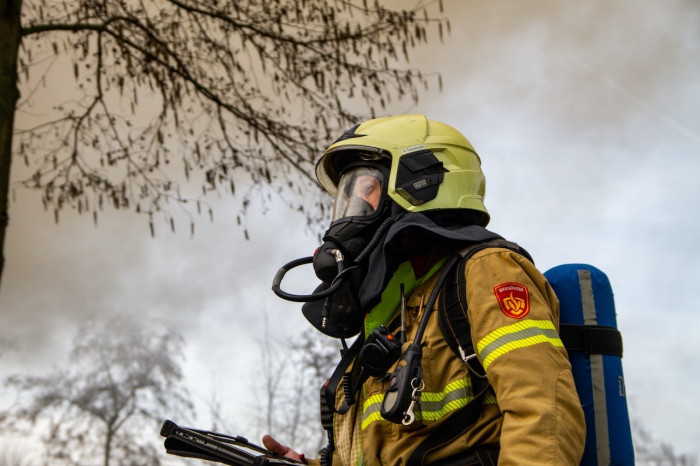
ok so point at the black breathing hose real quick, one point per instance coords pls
(337, 281)
(303, 298)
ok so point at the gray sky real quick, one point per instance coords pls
(586, 117)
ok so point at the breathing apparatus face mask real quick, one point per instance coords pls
(359, 193)
(360, 211)
(360, 205)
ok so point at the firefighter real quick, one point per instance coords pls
(408, 195)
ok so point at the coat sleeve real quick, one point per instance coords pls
(514, 316)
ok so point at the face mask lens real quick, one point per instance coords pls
(359, 193)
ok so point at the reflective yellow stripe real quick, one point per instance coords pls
(371, 408)
(518, 335)
(432, 405)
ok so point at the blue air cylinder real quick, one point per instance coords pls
(589, 332)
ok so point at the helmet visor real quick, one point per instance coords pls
(359, 192)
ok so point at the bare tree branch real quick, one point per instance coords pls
(224, 92)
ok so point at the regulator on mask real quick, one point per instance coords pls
(360, 219)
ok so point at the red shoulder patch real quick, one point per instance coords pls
(513, 298)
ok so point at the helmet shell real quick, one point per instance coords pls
(387, 140)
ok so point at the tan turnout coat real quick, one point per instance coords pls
(532, 410)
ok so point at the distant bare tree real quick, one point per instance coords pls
(123, 381)
(292, 375)
(314, 357)
(273, 367)
(140, 93)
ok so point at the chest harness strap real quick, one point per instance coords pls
(454, 323)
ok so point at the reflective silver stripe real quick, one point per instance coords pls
(597, 374)
(587, 299)
(535, 332)
(373, 407)
(434, 406)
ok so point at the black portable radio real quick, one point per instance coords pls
(379, 352)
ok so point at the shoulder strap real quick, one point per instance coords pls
(452, 310)
(454, 323)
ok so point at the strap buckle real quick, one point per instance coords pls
(470, 367)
